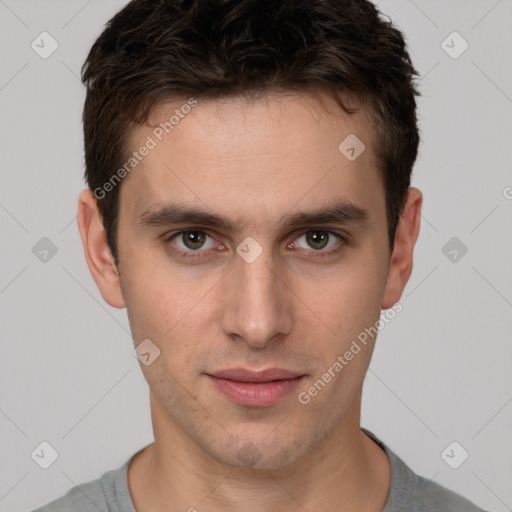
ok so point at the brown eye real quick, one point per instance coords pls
(193, 240)
(317, 239)
(320, 240)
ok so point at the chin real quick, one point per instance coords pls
(258, 453)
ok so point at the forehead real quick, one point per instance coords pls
(254, 155)
(243, 125)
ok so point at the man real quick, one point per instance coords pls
(249, 203)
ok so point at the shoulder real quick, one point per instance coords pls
(432, 497)
(87, 497)
(106, 494)
(410, 492)
(414, 493)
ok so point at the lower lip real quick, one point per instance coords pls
(255, 394)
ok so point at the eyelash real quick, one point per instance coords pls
(199, 254)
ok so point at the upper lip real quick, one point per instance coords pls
(244, 375)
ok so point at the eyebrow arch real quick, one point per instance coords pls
(182, 214)
(341, 212)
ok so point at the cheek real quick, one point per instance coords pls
(148, 296)
(168, 309)
(350, 299)
(350, 307)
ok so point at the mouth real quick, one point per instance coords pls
(255, 388)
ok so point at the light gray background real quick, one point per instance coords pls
(441, 370)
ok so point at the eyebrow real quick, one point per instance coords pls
(341, 212)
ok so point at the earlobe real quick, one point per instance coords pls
(97, 251)
(400, 266)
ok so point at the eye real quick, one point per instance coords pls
(193, 240)
(318, 240)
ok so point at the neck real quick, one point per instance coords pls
(347, 471)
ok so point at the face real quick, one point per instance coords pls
(252, 254)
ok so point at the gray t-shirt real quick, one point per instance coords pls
(408, 492)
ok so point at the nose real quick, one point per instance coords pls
(257, 307)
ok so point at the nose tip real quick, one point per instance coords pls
(258, 309)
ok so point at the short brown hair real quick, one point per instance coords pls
(153, 51)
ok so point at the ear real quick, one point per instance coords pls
(400, 266)
(97, 251)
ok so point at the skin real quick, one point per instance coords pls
(254, 162)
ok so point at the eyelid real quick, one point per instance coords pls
(203, 253)
(342, 237)
(188, 254)
(201, 249)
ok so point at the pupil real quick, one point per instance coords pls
(194, 239)
(317, 239)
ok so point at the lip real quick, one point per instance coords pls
(255, 388)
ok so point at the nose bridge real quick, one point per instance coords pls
(258, 309)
